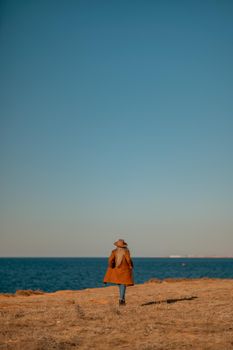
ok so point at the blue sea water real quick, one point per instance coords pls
(51, 274)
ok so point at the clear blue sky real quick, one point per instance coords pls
(116, 121)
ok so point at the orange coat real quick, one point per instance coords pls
(122, 274)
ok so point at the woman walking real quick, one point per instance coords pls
(120, 269)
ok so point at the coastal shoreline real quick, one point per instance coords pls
(30, 292)
(169, 314)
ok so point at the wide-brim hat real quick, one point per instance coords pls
(120, 243)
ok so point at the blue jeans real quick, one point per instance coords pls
(122, 289)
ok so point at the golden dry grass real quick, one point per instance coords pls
(199, 316)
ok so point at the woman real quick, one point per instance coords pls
(120, 269)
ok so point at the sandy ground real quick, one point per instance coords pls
(193, 314)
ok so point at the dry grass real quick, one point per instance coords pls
(92, 319)
(28, 292)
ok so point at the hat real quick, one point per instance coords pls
(120, 243)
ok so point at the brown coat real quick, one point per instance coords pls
(122, 274)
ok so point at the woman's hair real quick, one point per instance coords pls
(120, 252)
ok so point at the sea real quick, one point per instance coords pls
(52, 274)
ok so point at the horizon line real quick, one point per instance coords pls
(103, 257)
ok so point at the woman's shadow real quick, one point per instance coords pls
(170, 301)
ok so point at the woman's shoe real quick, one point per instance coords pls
(121, 302)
